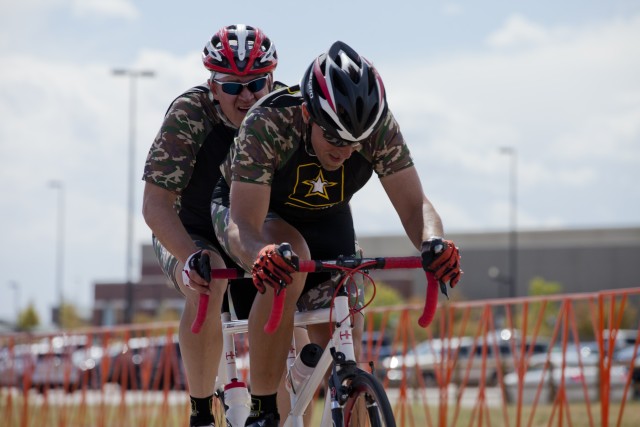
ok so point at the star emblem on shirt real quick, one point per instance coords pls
(318, 186)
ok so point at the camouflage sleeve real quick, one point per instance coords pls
(267, 138)
(387, 150)
(172, 155)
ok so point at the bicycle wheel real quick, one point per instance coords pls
(367, 404)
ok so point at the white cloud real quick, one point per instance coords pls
(70, 122)
(518, 31)
(40, 8)
(113, 8)
(568, 103)
(452, 9)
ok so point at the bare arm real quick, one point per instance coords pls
(249, 207)
(160, 215)
(419, 218)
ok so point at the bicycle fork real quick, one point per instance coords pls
(343, 355)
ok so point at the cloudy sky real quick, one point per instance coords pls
(555, 81)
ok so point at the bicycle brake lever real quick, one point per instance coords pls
(282, 287)
(443, 289)
(287, 252)
(204, 267)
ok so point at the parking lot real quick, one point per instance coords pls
(493, 361)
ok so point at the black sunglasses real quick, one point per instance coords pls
(336, 142)
(234, 88)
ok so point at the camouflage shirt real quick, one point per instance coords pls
(273, 148)
(186, 154)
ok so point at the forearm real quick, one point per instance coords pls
(418, 215)
(245, 231)
(171, 233)
(164, 222)
(432, 222)
(422, 224)
(245, 243)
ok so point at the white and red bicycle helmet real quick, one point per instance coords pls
(344, 94)
(240, 50)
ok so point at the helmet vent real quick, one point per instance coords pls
(372, 116)
(372, 80)
(337, 82)
(328, 119)
(360, 108)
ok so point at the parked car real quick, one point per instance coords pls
(623, 337)
(89, 363)
(418, 362)
(466, 356)
(51, 362)
(624, 357)
(576, 369)
(147, 363)
(15, 364)
(55, 370)
(376, 345)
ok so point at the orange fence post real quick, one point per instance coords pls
(468, 372)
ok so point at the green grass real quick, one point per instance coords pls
(143, 413)
(416, 415)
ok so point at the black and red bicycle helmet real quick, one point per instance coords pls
(240, 50)
(344, 94)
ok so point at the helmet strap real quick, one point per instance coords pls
(306, 116)
(308, 147)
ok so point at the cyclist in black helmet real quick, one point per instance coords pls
(300, 155)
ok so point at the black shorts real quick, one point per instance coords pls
(328, 237)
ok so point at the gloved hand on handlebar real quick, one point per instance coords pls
(273, 267)
(442, 258)
(199, 263)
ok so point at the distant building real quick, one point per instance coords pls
(151, 294)
(584, 260)
(581, 260)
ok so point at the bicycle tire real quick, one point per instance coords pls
(366, 388)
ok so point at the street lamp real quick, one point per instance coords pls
(59, 187)
(513, 234)
(133, 77)
(16, 300)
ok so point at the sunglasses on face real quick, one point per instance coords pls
(336, 142)
(234, 88)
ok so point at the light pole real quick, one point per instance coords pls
(59, 187)
(133, 77)
(16, 299)
(513, 221)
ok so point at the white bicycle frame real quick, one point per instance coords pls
(341, 341)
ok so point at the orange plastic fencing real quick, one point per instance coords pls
(518, 362)
(536, 361)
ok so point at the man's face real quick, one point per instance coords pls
(329, 156)
(235, 100)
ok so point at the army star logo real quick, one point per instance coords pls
(315, 188)
(318, 186)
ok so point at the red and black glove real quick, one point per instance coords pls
(442, 258)
(273, 267)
